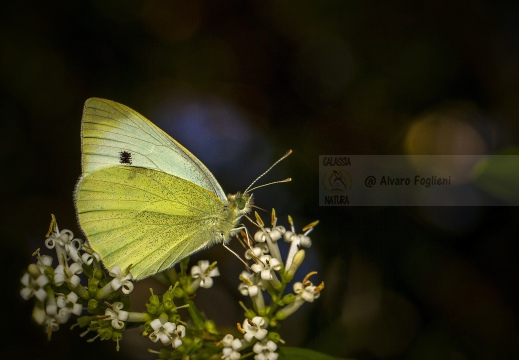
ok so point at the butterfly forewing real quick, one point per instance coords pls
(113, 134)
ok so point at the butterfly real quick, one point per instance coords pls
(143, 200)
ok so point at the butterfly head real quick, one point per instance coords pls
(240, 203)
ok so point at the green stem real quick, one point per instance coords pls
(276, 295)
(195, 314)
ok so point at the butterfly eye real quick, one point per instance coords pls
(241, 203)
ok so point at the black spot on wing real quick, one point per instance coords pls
(125, 157)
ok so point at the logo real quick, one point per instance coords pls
(337, 181)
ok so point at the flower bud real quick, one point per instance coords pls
(298, 259)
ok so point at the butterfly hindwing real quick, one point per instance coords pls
(145, 218)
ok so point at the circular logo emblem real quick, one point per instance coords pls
(337, 181)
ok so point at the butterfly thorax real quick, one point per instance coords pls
(237, 205)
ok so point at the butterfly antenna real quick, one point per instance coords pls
(270, 183)
(270, 168)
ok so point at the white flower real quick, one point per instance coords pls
(117, 315)
(44, 261)
(38, 313)
(296, 262)
(307, 291)
(230, 354)
(252, 286)
(167, 332)
(254, 328)
(34, 283)
(67, 306)
(231, 347)
(275, 234)
(265, 350)
(266, 266)
(67, 273)
(258, 250)
(88, 258)
(203, 274)
(121, 280)
(296, 243)
(51, 324)
(51, 308)
(270, 237)
(65, 244)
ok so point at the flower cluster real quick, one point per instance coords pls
(269, 274)
(79, 286)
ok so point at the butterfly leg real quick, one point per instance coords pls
(235, 254)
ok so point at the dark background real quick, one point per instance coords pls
(239, 83)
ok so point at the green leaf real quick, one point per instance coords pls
(293, 353)
(499, 175)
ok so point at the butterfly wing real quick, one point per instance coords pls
(145, 218)
(113, 134)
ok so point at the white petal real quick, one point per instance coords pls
(25, 279)
(26, 293)
(227, 340)
(117, 324)
(298, 287)
(181, 330)
(257, 348)
(271, 345)
(40, 294)
(177, 342)
(169, 327)
(266, 275)
(75, 280)
(153, 337)
(214, 272)
(116, 272)
(206, 283)
(196, 271)
(204, 264)
(61, 301)
(164, 338)
(260, 334)
(77, 309)
(156, 324)
(46, 260)
(127, 287)
(75, 268)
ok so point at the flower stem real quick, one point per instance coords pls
(196, 316)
